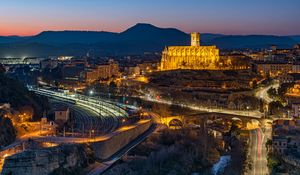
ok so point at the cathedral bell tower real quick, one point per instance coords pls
(195, 39)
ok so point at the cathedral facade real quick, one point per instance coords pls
(190, 57)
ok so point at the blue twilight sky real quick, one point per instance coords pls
(28, 17)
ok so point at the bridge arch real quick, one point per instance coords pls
(175, 123)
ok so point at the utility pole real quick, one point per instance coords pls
(83, 129)
(72, 130)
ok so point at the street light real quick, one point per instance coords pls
(92, 133)
(248, 109)
(91, 92)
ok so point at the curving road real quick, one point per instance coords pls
(252, 113)
(262, 92)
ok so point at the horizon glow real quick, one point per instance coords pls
(30, 17)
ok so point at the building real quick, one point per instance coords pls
(285, 137)
(234, 61)
(62, 115)
(283, 124)
(101, 72)
(33, 60)
(72, 73)
(273, 69)
(296, 110)
(295, 90)
(289, 78)
(147, 67)
(296, 68)
(133, 71)
(80, 72)
(49, 126)
(48, 63)
(296, 47)
(11, 61)
(273, 48)
(190, 57)
(279, 144)
(293, 94)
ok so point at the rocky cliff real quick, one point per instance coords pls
(64, 160)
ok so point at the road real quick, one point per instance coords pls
(252, 113)
(258, 151)
(262, 92)
(103, 166)
(93, 138)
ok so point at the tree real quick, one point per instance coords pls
(269, 144)
(273, 161)
(7, 130)
(2, 69)
(275, 107)
(272, 92)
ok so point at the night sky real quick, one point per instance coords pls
(29, 17)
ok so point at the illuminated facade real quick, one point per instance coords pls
(190, 57)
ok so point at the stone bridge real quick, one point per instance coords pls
(173, 120)
(246, 121)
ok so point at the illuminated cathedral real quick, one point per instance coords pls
(190, 57)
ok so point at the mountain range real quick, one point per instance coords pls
(135, 40)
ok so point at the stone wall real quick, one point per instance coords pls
(45, 161)
(107, 148)
(70, 158)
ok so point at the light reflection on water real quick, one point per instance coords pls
(219, 167)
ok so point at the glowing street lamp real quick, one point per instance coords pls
(248, 110)
(91, 92)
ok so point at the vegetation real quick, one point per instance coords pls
(278, 105)
(278, 94)
(181, 151)
(7, 131)
(14, 93)
(273, 161)
(73, 159)
(237, 146)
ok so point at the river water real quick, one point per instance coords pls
(219, 167)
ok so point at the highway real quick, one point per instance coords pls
(258, 151)
(103, 166)
(94, 138)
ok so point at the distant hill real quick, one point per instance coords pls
(252, 41)
(296, 38)
(135, 40)
(69, 37)
(11, 39)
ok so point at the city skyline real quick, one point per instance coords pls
(233, 17)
